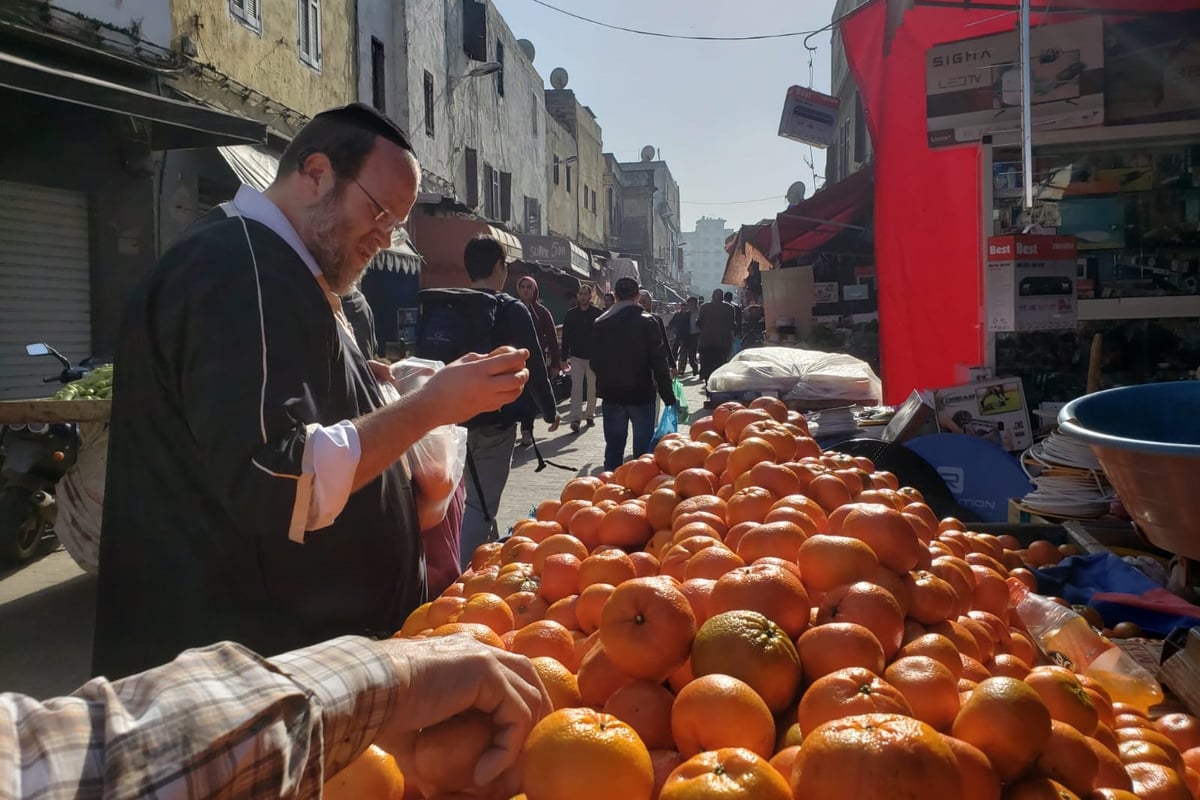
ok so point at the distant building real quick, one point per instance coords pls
(851, 148)
(649, 229)
(704, 255)
(576, 190)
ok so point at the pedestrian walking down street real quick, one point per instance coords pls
(738, 338)
(631, 370)
(609, 299)
(717, 321)
(683, 324)
(577, 342)
(543, 321)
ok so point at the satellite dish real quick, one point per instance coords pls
(527, 48)
(559, 78)
(796, 192)
(648, 153)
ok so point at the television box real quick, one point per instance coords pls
(992, 409)
(1030, 283)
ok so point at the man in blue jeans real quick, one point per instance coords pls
(629, 358)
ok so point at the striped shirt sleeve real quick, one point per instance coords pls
(217, 721)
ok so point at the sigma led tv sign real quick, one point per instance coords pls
(973, 87)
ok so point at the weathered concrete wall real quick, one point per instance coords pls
(562, 214)
(588, 172)
(421, 32)
(269, 61)
(376, 18)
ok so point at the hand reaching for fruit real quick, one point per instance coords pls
(453, 689)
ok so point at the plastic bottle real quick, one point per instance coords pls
(1067, 639)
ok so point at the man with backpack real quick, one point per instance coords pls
(630, 367)
(454, 322)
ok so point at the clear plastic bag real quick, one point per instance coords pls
(438, 459)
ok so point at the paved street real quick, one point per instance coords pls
(47, 608)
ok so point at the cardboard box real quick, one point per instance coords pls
(914, 417)
(1030, 283)
(992, 409)
(1181, 672)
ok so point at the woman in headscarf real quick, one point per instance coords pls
(543, 321)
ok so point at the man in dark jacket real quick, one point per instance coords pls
(492, 437)
(717, 322)
(577, 352)
(630, 369)
(683, 325)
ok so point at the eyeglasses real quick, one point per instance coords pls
(382, 214)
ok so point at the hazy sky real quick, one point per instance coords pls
(711, 108)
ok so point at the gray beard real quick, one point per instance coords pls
(332, 255)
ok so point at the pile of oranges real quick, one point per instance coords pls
(741, 615)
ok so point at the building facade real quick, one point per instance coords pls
(584, 185)
(704, 255)
(650, 224)
(851, 149)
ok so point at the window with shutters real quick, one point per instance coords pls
(568, 178)
(860, 130)
(489, 195)
(500, 72)
(593, 202)
(475, 29)
(537, 109)
(247, 12)
(533, 216)
(378, 75)
(471, 157)
(308, 13)
(505, 204)
(557, 166)
(429, 123)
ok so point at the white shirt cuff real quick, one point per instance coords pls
(331, 454)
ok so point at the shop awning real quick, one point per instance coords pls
(400, 257)
(558, 251)
(747, 248)
(175, 124)
(810, 224)
(441, 241)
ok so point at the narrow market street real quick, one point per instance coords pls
(47, 608)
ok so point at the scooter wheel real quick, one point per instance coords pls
(20, 526)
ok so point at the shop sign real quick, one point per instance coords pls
(856, 291)
(556, 251)
(973, 87)
(809, 116)
(1030, 283)
(1152, 69)
(825, 293)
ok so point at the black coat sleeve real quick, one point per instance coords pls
(657, 348)
(247, 350)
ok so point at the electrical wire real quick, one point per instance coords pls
(697, 38)
(728, 202)
(1067, 478)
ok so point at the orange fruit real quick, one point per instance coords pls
(372, 774)
(1138, 750)
(1068, 758)
(1007, 665)
(599, 677)
(1182, 729)
(959, 635)
(1038, 788)
(884, 529)
(644, 706)
(609, 566)
(416, 622)
(1111, 794)
(1156, 782)
(444, 610)
(773, 406)
(614, 492)
(831, 493)
(539, 530)
(868, 605)
(1110, 769)
(978, 778)
(545, 638)
(698, 591)
(929, 687)
(691, 455)
(750, 647)
(486, 553)
(739, 419)
(847, 693)
(1153, 736)
(715, 711)
(664, 762)
(690, 529)
(1007, 720)
(480, 633)
(730, 772)
(546, 510)
(827, 562)
(695, 482)
(712, 562)
(490, 610)
(590, 605)
(559, 543)
(721, 414)
(876, 755)
(560, 683)
(644, 564)
(580, 488)
(749, 505)
(931, 598)
(647, 627)
(1064, 697)
(560, 577)
(709, 518)
(773, 539)
(937, 647)
(767, 589)
(973, 669)
(834, 646)
(585, 754)
(660, 505)
(625, 526)
(527, 607)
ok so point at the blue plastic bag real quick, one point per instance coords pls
(668, 422)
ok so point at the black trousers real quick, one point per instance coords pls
(685, 352)
(711, 357)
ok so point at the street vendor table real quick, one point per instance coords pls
(23, 412)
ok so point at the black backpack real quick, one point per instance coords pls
(454, 322)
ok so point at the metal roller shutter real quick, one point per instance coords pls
(45, 291)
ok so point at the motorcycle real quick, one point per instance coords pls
(34, 457)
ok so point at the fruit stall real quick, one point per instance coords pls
(742, 614)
